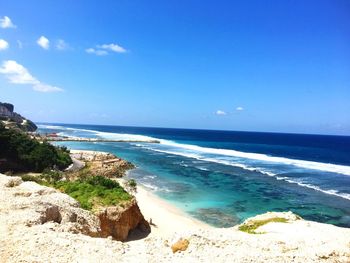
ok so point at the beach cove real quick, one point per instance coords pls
(217, 181)
(26, 235)
(40, 224)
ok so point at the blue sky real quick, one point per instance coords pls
(279, 66)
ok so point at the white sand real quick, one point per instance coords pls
(166, 218)
(25, 237)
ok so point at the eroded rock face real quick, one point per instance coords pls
(15, 120)
(33, 204)
(101, 163)
(118, 222)
(48, 241)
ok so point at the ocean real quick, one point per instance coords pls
(224, 177)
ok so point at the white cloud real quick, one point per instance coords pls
(18, 74)
(112, 47)
(43, 42)
(220, 112)
(6, 22)
(104, 49)
(20, 45)
(96, 52)
(61, 45)
(239, 109)
(3, 44)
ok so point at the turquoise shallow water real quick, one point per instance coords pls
(224, 188)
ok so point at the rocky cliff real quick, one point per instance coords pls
(118, 222)
(40, 224)
(33, 205)
(14, 120)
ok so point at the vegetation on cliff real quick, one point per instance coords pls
(19, 153)
(14, 120)
(94, 191)
(90, 191)
(252, 226)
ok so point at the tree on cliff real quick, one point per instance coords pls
(21, 153)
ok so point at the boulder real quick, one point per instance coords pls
(119, 221)
(180, 245)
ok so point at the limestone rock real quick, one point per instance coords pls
(118, 221)
(15, 120)
(13, 181)
(36, 225)
(34, 204)
(270, 215)
(180, 245)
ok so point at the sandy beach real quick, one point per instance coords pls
(26, 237)
(166, 218)
(293, 240)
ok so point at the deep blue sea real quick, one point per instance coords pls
(224, 177)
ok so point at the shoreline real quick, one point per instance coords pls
(166, 218)
(56, 138)
(174, 236)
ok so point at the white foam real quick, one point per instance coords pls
(150, 186)
(104, 135)
(51, 127)
(327, 167)
(330, 192)
(125, 136)
(214, 160)
(196, 150)
(202, 168)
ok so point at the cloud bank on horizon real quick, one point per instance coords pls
(223, 113)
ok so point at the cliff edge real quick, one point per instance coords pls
(40, 224)
(12, 119)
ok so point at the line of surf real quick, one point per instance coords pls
(195, 152)
(326, 167)
(259, 170)
(314, 187)
(105, 135)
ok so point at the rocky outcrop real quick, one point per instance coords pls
(33, 204)
(119, 221)
(103, 163)
(36, 227)
(12, 119)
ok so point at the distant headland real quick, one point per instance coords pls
(12, 119)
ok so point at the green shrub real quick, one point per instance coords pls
(25, 154)
(250, 227)
(94, 191)
(132, 185)
(32, 178)
(102, 181)
(51, 176)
